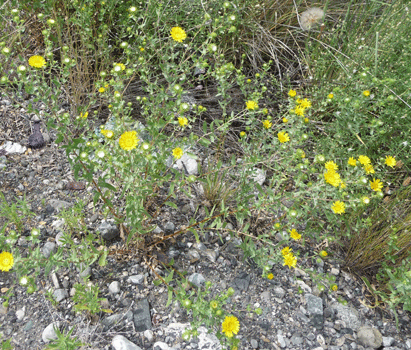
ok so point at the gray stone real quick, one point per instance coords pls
(159, 345)
(84, 270)
(108, 231)
(279, 292)
(136, 279)
(29, 325)
(315, 308)
(111, 320)
(281, 340)
(306, 288)
(297, 339)
(258, 176)
(58, 204)
(266, 296)
(211, 255)
(20, 314)
(122, 343)
(242, 282)
(347, 314)
(387, 341)
(48, 248)
(114, 287)
(207, 340)
(59, 239)
(254, 343)
(186, 164)
(49, 333)
(408, 343)
(369, 337)
(60, 294)
(169, 227)
(197, 279)
(149, 335)
(141, 316)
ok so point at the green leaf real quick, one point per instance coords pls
(170, 298)
(171, 204)
(157, 282)
(102, 260)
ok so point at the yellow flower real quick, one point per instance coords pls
(365, 200)
(285, 120)
(107, 133)
(267, 124)
(323, 253)
(37, 61)
(332, 178)
(141, 49)
(352, 161)
(299, 110)
(270, 276)
(330, 165)
(292, 93)
(6, 261)
(376, 185)
(364, 160)
(214, 304)
(366, 93)
(183, 121)
(230, 326)
(390, 161)
(101, 90)
(338, 207)
(290, 260)
(287, 250)
(330, 96)
(369, 169)
(178, 34)
(177, 153)
(334, 287)
(242, 133)
(251, 105)
(304, 103)
(121, 65)
(283, 137)
(295, 235)
(84, 116)
(128, 140)
(306, 120)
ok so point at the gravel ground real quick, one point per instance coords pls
(295, 313)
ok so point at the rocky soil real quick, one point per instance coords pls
(295, 313)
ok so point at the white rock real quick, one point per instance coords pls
(13, 147)
(149, 335)
(49, 333)
(122, 343)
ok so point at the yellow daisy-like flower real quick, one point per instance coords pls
(376, 185)
(121, 65)
(390, 161)
(183, 121)
(283, 137)
(230, 326)
(369, 169)
(290, 260)
(332, 178)
(295, 235)
(334, 287)
(330, 165)
(242, 133)
(306, 120)
(6, 261)
(177, 153)
(352, 161)
(178, 34)
(84, 116)
(343, 185)
(364, 160)
(304, 103)
(128, 140)
(101, 90)
(285, 120)
(251, 105)
(366, 93)
(338, 207)
(287, 250)
(299, 110)
(107, 133)
(292, 93)
(323, 253)
(267, 124)
(37, 61)
(330, 96)
(270, 276)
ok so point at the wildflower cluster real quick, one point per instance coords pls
(289, 259)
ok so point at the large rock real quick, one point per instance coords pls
(370, 337)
